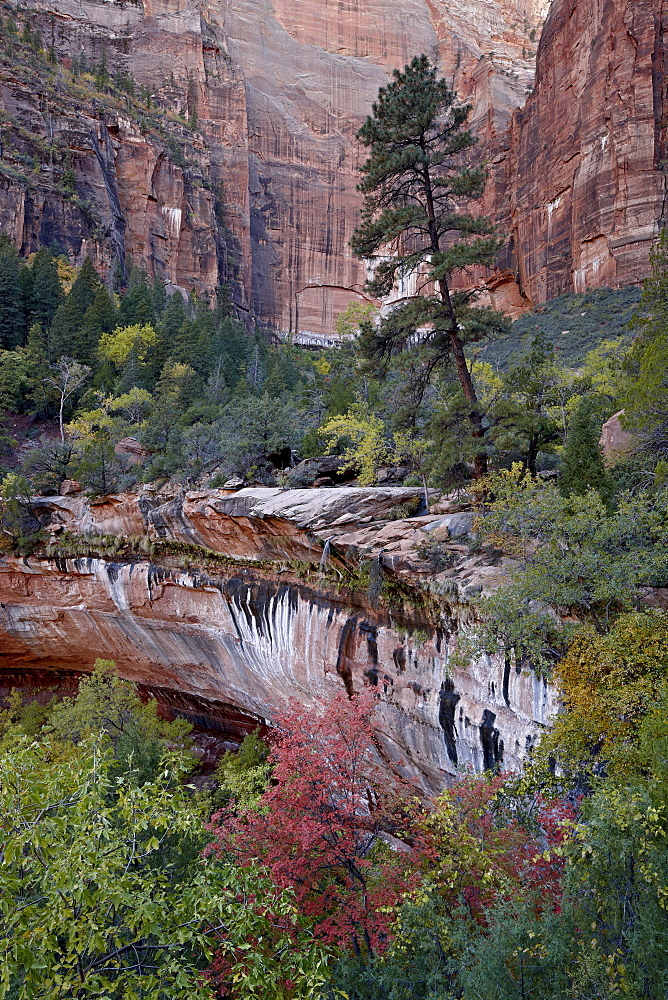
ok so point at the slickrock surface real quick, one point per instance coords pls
(280, 617)
(585, 170)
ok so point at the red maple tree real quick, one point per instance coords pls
(324, 823)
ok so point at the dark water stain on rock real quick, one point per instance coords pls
(447, 702)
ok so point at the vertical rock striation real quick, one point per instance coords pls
(584, 174)
(251, 182)
(254, 186)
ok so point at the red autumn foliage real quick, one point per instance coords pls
(323, 824)
(318, 830)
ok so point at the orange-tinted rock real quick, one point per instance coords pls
(69, 486)
(267, 202)
(312, 71)
(584, 175)
(130, 448)
(236, 640)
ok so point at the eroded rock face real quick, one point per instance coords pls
(228, 644)
(262, 194)
(140, 184)
(584, 175)
(312, 71)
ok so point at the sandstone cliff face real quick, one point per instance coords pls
(585, 170)
(148, 151)
(261, 194)
(267, 200)
(312, 72)
(229, 642)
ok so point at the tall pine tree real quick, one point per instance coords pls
(413, 183)
(11, 313)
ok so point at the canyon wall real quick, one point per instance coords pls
(240, 166)
(261, 100)
(225, 607)
(581, 188)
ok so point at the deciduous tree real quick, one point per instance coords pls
(318, 824)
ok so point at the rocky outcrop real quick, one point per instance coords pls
(284, 600)
(582, 186)
(616, 442)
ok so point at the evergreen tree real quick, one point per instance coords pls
(86, 285)
(65, 328)
(47, 291)
(37, 352)
(413, 183)
(520, 417)
(159, 295)
(11, 313)
(169, 329)
(25, 287)
(582, 465)
(137, 303)
(100, 318)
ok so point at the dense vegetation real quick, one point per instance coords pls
(319, 878)
(304, 870)
(206, 400)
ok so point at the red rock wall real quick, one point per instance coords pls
(582, 186)
(312, 71)
(279, 88)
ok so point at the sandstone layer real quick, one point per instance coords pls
(584, 175)
(129, 155)
(278, 603)
(260, 192)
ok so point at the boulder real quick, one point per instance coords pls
(130, 448)
(616, 443)
(69, 486)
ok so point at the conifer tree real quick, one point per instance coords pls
(25, 286)
(64, 330)
(413, 183)
(137, 303)
(47, 291)
(11, 317)
(37, 353)
(86, 285)
(582, 466)
(172, 320)
(100, 318)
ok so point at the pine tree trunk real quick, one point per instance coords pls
(465, 380)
